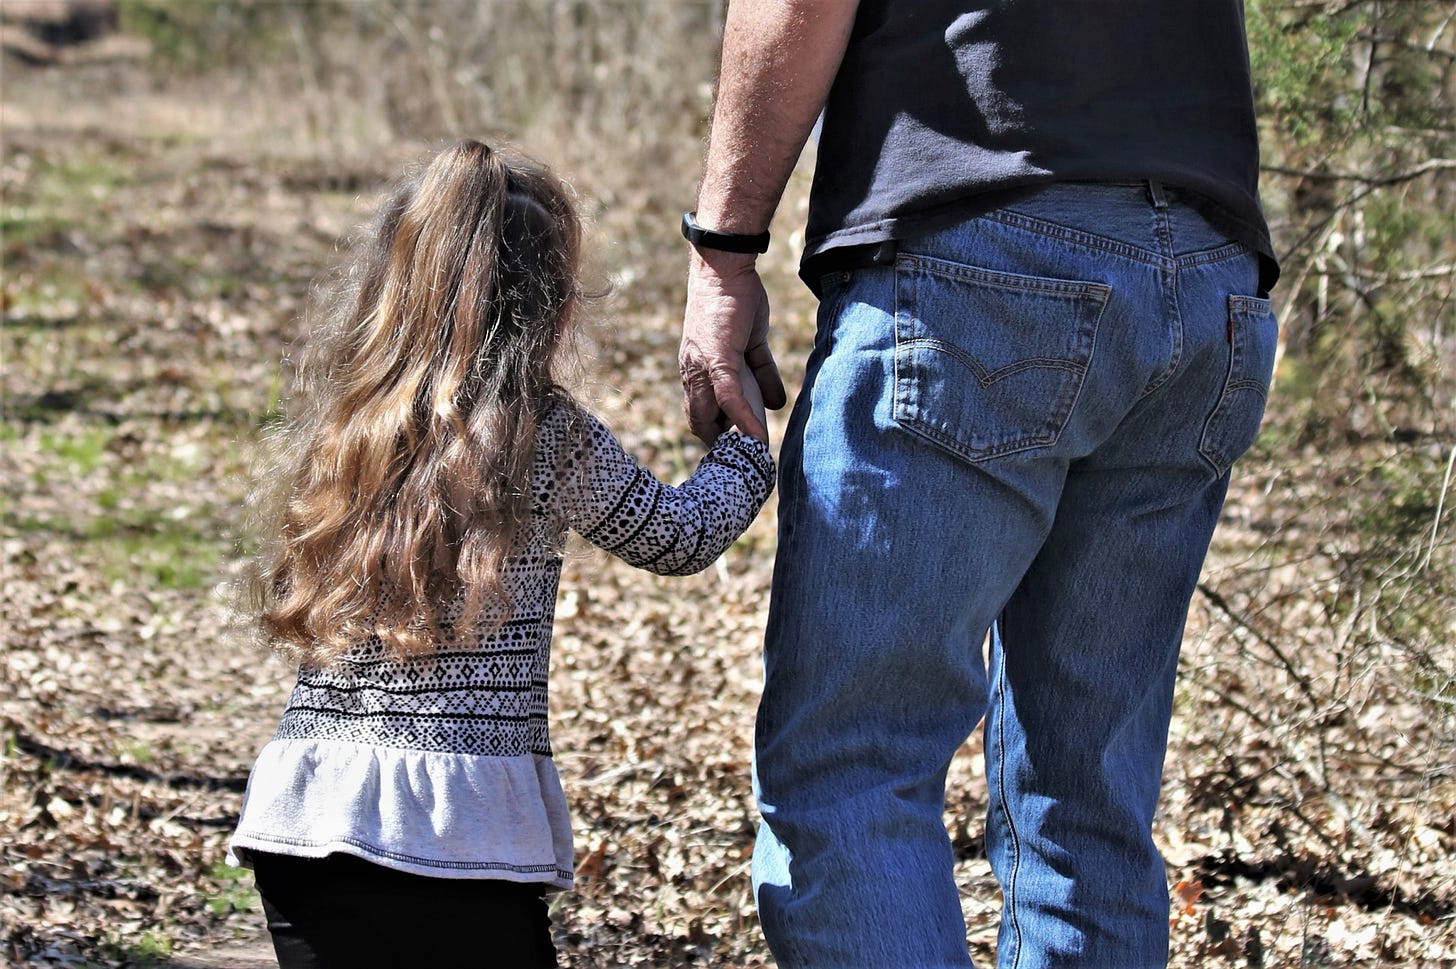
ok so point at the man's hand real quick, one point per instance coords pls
(779, 60)
(725, 339)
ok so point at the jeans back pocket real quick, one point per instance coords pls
(989, 363)
(1253, 336)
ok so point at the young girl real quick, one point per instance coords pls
(407, 812)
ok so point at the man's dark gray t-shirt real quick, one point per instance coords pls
(944, 109)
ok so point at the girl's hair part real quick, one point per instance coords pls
(402, 476)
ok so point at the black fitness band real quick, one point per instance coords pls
(723, 241)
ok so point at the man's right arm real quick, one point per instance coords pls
(779, 60)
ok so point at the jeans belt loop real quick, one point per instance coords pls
(1157, 195)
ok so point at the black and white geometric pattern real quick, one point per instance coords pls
(486, 694)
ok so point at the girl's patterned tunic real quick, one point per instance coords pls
(441, 765)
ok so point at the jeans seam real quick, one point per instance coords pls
(1240, 309)
(1009, 907)
(1208, 257)
(1168, 285)
(1072, 236)
(1000, 279)
(900, 392)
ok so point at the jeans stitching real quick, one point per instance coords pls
(998, 279)
(908, 271)
(1251, 304)
(1168, 285)
(988, 377)
(902, 380)
(1009, 906)
(1241, 310)
(1219, 253)
(1072, 236)
(1207, 257)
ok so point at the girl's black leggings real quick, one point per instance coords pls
(341, 912)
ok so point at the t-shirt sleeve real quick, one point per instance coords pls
(619, 506)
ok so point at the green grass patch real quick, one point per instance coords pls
(199, 35)
(25, 227)
(272, 416)
(149, 949)
(58, 191)
(234, 893)
(172, 559)
(82, 450)
(80, 179)
(54, 196)
(135, 752)
(138, 546)
(42, 295)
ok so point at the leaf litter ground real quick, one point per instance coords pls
(159, 246)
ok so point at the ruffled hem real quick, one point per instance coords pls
(431, 813)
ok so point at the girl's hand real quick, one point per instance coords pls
(753, 397)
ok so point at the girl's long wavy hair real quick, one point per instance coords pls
(402, 482)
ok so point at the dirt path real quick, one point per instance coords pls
(250, 954)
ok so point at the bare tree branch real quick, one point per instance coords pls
(1410, 174)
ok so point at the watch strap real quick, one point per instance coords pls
(723, 241)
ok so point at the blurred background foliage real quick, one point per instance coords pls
(1355, 102)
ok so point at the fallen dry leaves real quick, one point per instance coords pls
(166, 253)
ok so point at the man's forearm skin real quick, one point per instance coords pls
(779, 61)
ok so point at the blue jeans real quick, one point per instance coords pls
(1024, 426)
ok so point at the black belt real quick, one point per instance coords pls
(846, 259)
(849, 258)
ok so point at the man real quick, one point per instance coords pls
(1043, 339)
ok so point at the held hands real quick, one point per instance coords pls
(728, 371)
(753, 396)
